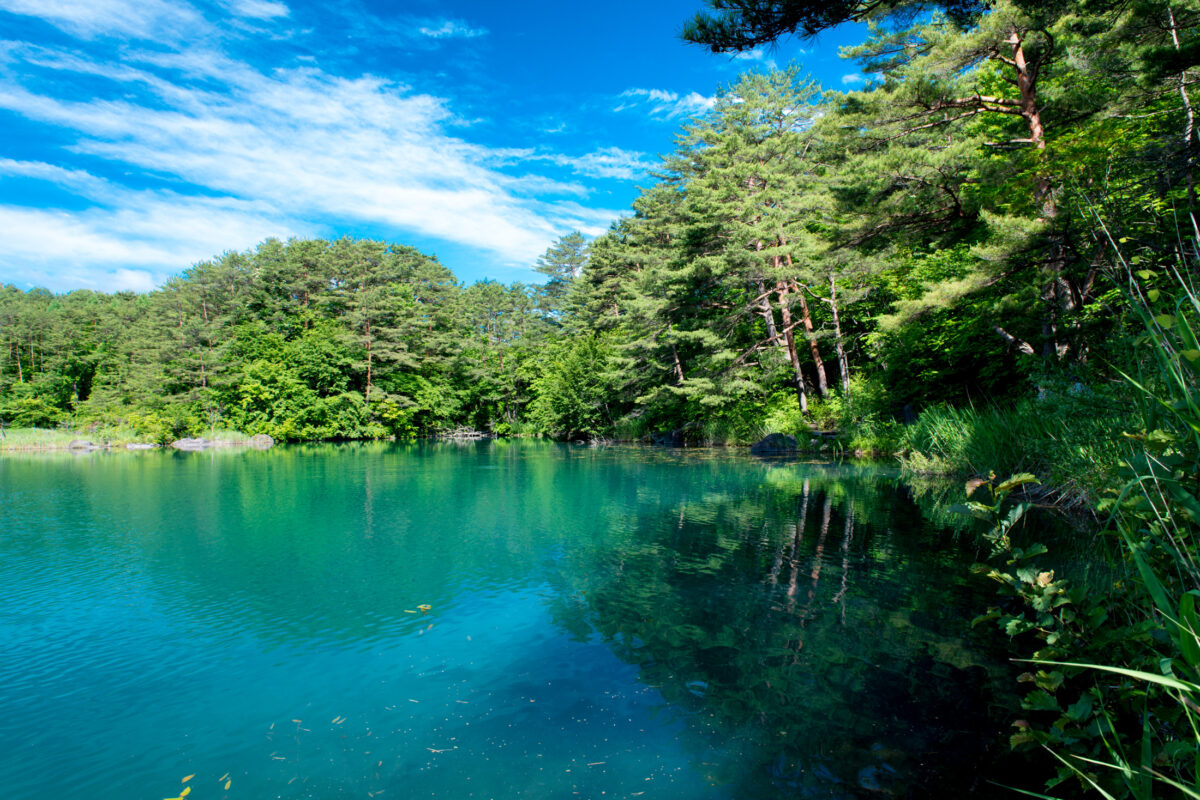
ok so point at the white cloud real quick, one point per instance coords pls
(607, 162)
(852, 79)
(665, 104)
(136, 246)
(758, 55)
(258, 154)
(143, 19)
(450, 29)
(259, 9)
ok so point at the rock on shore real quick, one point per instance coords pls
(774, 443)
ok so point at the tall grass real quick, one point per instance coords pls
(1072, 437)
(36, 439)
(1120, 675)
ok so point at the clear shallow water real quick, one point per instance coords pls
(601, 622)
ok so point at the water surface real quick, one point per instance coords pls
(500, 619)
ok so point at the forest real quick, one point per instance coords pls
(958, 236)
(983, 260)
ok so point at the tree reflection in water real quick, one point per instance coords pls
(814, 634)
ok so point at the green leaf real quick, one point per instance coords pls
(1189, 644)
(1149, 677)
(1081, 708)
(1039, 700)
(1050, 681)
(1015, 481)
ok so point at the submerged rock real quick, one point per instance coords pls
(774, 443)
(191, 444)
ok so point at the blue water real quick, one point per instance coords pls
(496, 620)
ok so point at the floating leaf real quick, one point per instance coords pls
(186, 792)
(227, 785)
(188, 778)
(223, 777)
(424, 607)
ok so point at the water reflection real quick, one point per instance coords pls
(811, 630)
(514, 619)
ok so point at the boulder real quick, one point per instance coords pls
(141, 446)
(667, 438)
(81, 444)
(261, 441)
(191, 444)
(774, 443)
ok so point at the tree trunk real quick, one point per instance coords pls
(1189, 127)
(793, 356)
(768, 314)
(843, 364)
(1055, 260)
(822, 376)
(367, 395)
(678, 365)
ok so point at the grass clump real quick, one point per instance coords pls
(1072, 438)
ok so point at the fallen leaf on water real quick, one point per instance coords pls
(188, 778)
(186, 792)
(409, 611)
(424, 607)
(227, 785)
(223, 777)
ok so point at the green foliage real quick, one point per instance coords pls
(1116, 668)
(572, 394)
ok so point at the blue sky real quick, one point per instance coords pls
(138, 137)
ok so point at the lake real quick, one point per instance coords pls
(494, 620)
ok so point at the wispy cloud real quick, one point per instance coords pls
(259, 9)
(853, 79)
(253, 153)
(758, 55)
(146, 19)
(607, 162)
(450, 29)
(665, 104)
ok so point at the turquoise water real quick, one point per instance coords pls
(503, 620)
